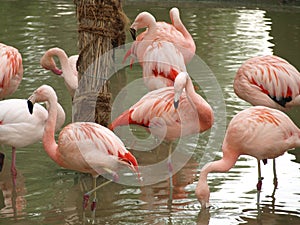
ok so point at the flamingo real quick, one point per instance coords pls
(82, 146)
(269, 81)
(68, 67)
(11, 70)
(258, 131)
(19, 128)
(170, 112)
(163, 49)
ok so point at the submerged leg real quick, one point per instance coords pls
(259, 183)
(275, 181)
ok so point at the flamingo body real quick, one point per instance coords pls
(68, 67)
(269, 81)
(155, 110)
(258, 131)
(11, 70)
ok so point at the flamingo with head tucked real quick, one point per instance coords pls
(258, 131)
(82, 146)
(268, 81)
(19, 128)
(68, 67)
(11, 70)
(163, 49)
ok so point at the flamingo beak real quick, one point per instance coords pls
(2, 156)
(133, 33)
(176, 103)
(30, 106)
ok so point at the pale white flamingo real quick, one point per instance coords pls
(163, 49)
(19, 128)
(82, 146)
(268, 81)
(170, 113)
(258, 131)
(68, 67)
(11, 70)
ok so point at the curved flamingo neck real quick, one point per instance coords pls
(222, 165)
(177, 23)
(49, 142)
(205, 113)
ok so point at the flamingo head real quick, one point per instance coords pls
(129, 160)
(179, 84)
(143, 20)
(48, 63)
(202, 193)
(174, 14)
(44, 93)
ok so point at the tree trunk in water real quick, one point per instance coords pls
(101, 27)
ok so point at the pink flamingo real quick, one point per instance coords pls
(190, 114)
(157, 106)
(68, 67)
(11, 70)
(258, 131)
(19, 128)
(163, 49)
(82, 146)
(269, 81)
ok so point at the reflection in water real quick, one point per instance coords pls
(225, 37)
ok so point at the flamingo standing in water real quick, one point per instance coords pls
(11, 70)
(170, 112)
(268, 81)
(19, 128)
(68, 67)
(163, 49)
(82, 146)
(258, 131)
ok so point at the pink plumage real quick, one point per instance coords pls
(11, 70)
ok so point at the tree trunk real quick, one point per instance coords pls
(101, 27)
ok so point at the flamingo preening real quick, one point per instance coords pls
(11, 70)
(258, 131)
(82, 146)
(162, 50)
(68, 67)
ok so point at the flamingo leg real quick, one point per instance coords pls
(259, 183)
(170, 170)
(94, 203)
(13, 165)
(275, 181)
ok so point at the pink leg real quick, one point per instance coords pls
(13, 165)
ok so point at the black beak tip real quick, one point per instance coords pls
(133, 33)
(30, 106)
(2, 156)
(176, 103)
